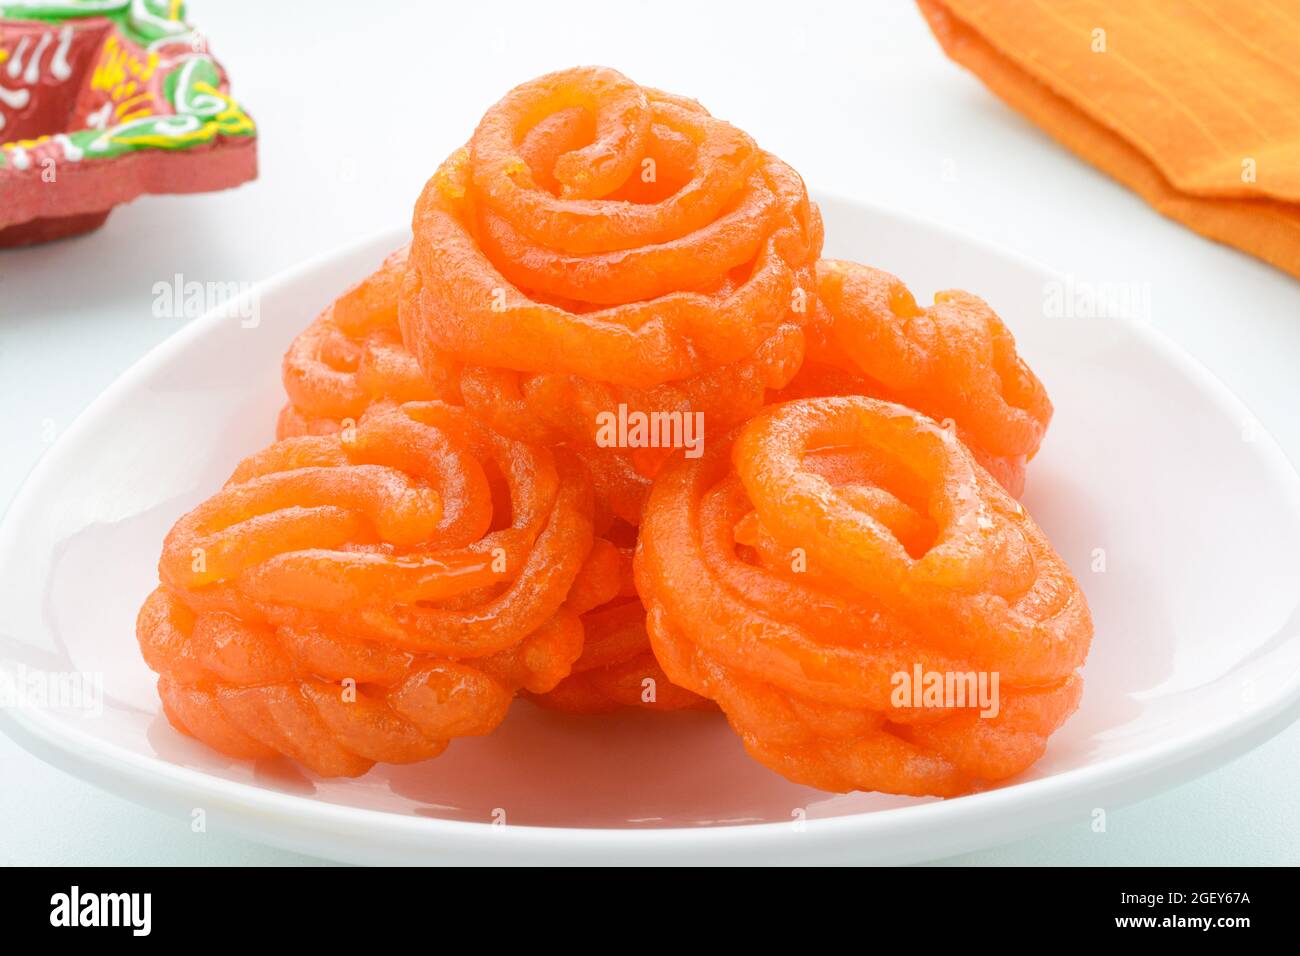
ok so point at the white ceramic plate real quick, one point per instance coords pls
(1151, 470)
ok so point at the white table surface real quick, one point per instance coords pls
(355, 112)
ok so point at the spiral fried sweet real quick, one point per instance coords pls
(839, 543)
(617, 667)
(599, 244)
(956, 361)
(352, 359)
(346, 602)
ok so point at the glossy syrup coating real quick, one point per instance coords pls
(351, 359)
(793, 573)
(349, 601)
(440, 527)
(955, 360)
(599, 244)
(351, 363)
(617, 667)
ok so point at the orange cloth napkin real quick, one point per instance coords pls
(1193, 104)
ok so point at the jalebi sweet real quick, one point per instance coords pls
(599, 244)
(352, 359)
(955, 361)
(350, 600)
(617, 667)
(839, 543)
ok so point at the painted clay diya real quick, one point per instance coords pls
(102, 101)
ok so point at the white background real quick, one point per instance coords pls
(358, 104)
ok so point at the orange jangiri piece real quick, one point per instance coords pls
(792, 575)
(551, 408)
(346, 602)
(352, 358)
(617, 667)
(599, 244)
(955, 361)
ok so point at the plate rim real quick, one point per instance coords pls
(94, 759)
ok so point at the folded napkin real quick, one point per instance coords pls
(1193, 104)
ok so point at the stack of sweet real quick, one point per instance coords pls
(809, 489)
